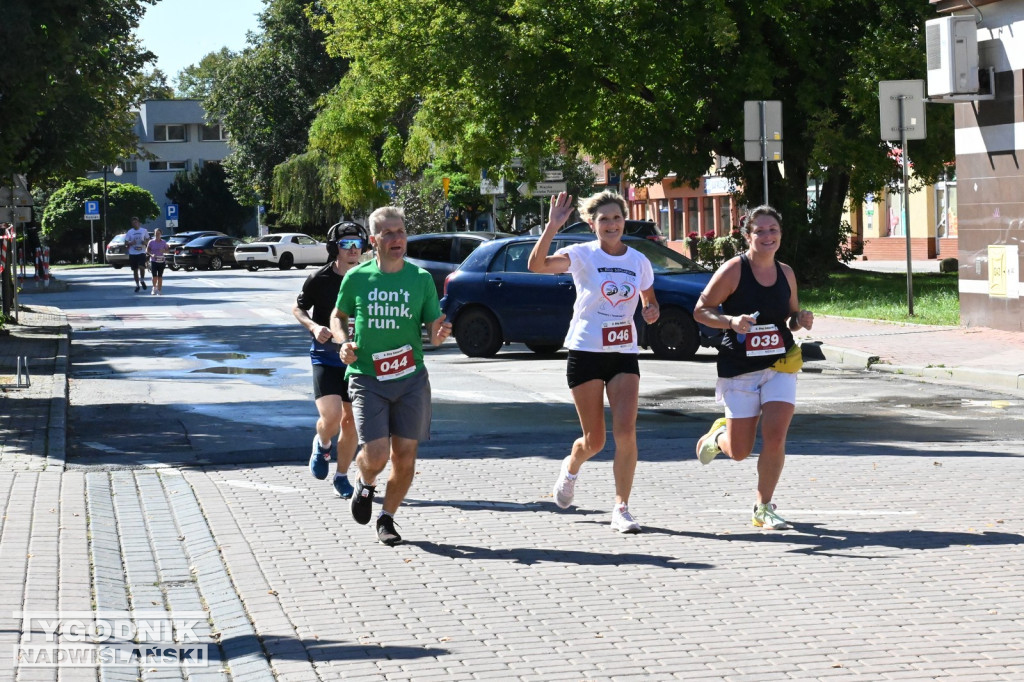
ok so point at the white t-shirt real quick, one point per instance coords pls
(607, 292)
(136, 239)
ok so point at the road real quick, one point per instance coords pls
(905, 560)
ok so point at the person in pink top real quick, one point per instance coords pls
(156, 249)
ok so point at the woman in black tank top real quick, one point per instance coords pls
(753, 297)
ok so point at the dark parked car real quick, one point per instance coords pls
(207, 253)
(493, 299)
(634, 228)
(176, 241)
(441, 253)
(117, 252)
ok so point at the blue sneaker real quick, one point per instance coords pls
(342, 488)
(319, 459)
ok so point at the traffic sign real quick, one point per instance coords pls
(92, 210)
(543, 189)
(171, 215)
(553, 175)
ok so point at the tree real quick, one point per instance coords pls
(205, 201)
(269, 94)
(67, 233)
(153, 85)
(196, 81)
(68, 83)
(654, 88)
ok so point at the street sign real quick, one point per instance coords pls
(445, 184)
(543, 189)
(389, 186)
(92, 210)
(553, 176)
(488, 187)
(911, 92)
(171, 215)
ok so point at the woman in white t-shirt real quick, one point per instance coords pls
(611, 279)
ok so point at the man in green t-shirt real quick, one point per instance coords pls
(390, 300)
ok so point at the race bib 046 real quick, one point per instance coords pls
(617, 334)
(394, 364)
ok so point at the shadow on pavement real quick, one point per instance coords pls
(529, 556)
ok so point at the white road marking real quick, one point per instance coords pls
(819, 512)
(249, 485)
(103, 448)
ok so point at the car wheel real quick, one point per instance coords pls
(189, 268)
(674, 336)
(216, 263)
(172, 267)
(478, 333)
(117, 267)
(286, 261)
(301, 267)
(544, 348)
(252, 268)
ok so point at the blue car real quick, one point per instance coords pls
(493, 299)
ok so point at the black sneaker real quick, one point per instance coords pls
(386, 533)
(143, 286)
(362, 503)
(136, 288)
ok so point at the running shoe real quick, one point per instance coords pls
(623, 521)
(386, 533)
(766, 517)
(362, 503)
(342, 488)
(143, 286)
(136, 288)
(565, 487)
(707, 446)
(319, 459)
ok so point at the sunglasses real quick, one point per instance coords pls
(350, 243)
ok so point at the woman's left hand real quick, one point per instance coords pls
(651, 312)
(805, 319)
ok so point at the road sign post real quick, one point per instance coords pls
(762, 134)
(171, 215)
(901, 114)
(92, 214)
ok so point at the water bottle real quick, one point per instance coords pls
(743, 337)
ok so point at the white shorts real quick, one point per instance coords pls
(744, 395)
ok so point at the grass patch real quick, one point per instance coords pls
(883, 296)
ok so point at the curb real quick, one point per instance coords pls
(971, 376)
(56, 435)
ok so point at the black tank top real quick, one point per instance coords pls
(750, 296)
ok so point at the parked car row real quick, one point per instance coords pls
(211, 250)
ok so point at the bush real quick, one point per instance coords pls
(949, 265)
(706, 252)
(725, 248)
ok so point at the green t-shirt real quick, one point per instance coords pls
(389, 310)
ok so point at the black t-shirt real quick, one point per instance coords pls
(320, 292)
(772, 304)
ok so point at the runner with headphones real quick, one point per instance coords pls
(346, 242)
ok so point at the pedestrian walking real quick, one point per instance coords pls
(135, 239)
(754, 298)
(389, 300)
(156, 249)
(610, 278)
(346, 242)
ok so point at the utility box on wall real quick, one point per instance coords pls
(952, 51)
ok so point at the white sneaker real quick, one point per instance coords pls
(623, 521)
(707, 446)
(765, 516)
(565, 487)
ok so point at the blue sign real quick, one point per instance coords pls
(389, 186)
(262, 209)
(92, 210)
(171, 212)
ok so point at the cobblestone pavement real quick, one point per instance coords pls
(904, 563)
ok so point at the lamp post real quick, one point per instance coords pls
(103, 244)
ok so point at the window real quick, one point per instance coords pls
(437, 249)
(709, 214)
(212, 133)
(677, 219)
(692, 216)
(725, 214)
(169, 133)
(174, 166)
(303, 240)
(465, 247)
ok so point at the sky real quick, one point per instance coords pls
(181, 32)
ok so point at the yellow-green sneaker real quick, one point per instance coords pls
(765, 516)
(707, 446)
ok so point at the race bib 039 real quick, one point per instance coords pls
(764, 339)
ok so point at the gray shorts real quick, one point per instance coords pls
(391, 408)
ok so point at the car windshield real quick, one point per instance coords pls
(664, 260)
(269, 239)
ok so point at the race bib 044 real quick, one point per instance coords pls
(394, 364)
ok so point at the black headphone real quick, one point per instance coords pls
(346, 228)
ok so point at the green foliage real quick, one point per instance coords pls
(707, 253)
(301, 191)
(205, 201)
(65, 230)
(883, 296)
(153, 85)
(653, 88)
(197, 80)
(949, 265)
(268, 95)
(725, 248)
(68, 78)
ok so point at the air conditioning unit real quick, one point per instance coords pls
(952, 51)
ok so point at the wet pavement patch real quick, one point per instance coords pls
(224, 369)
